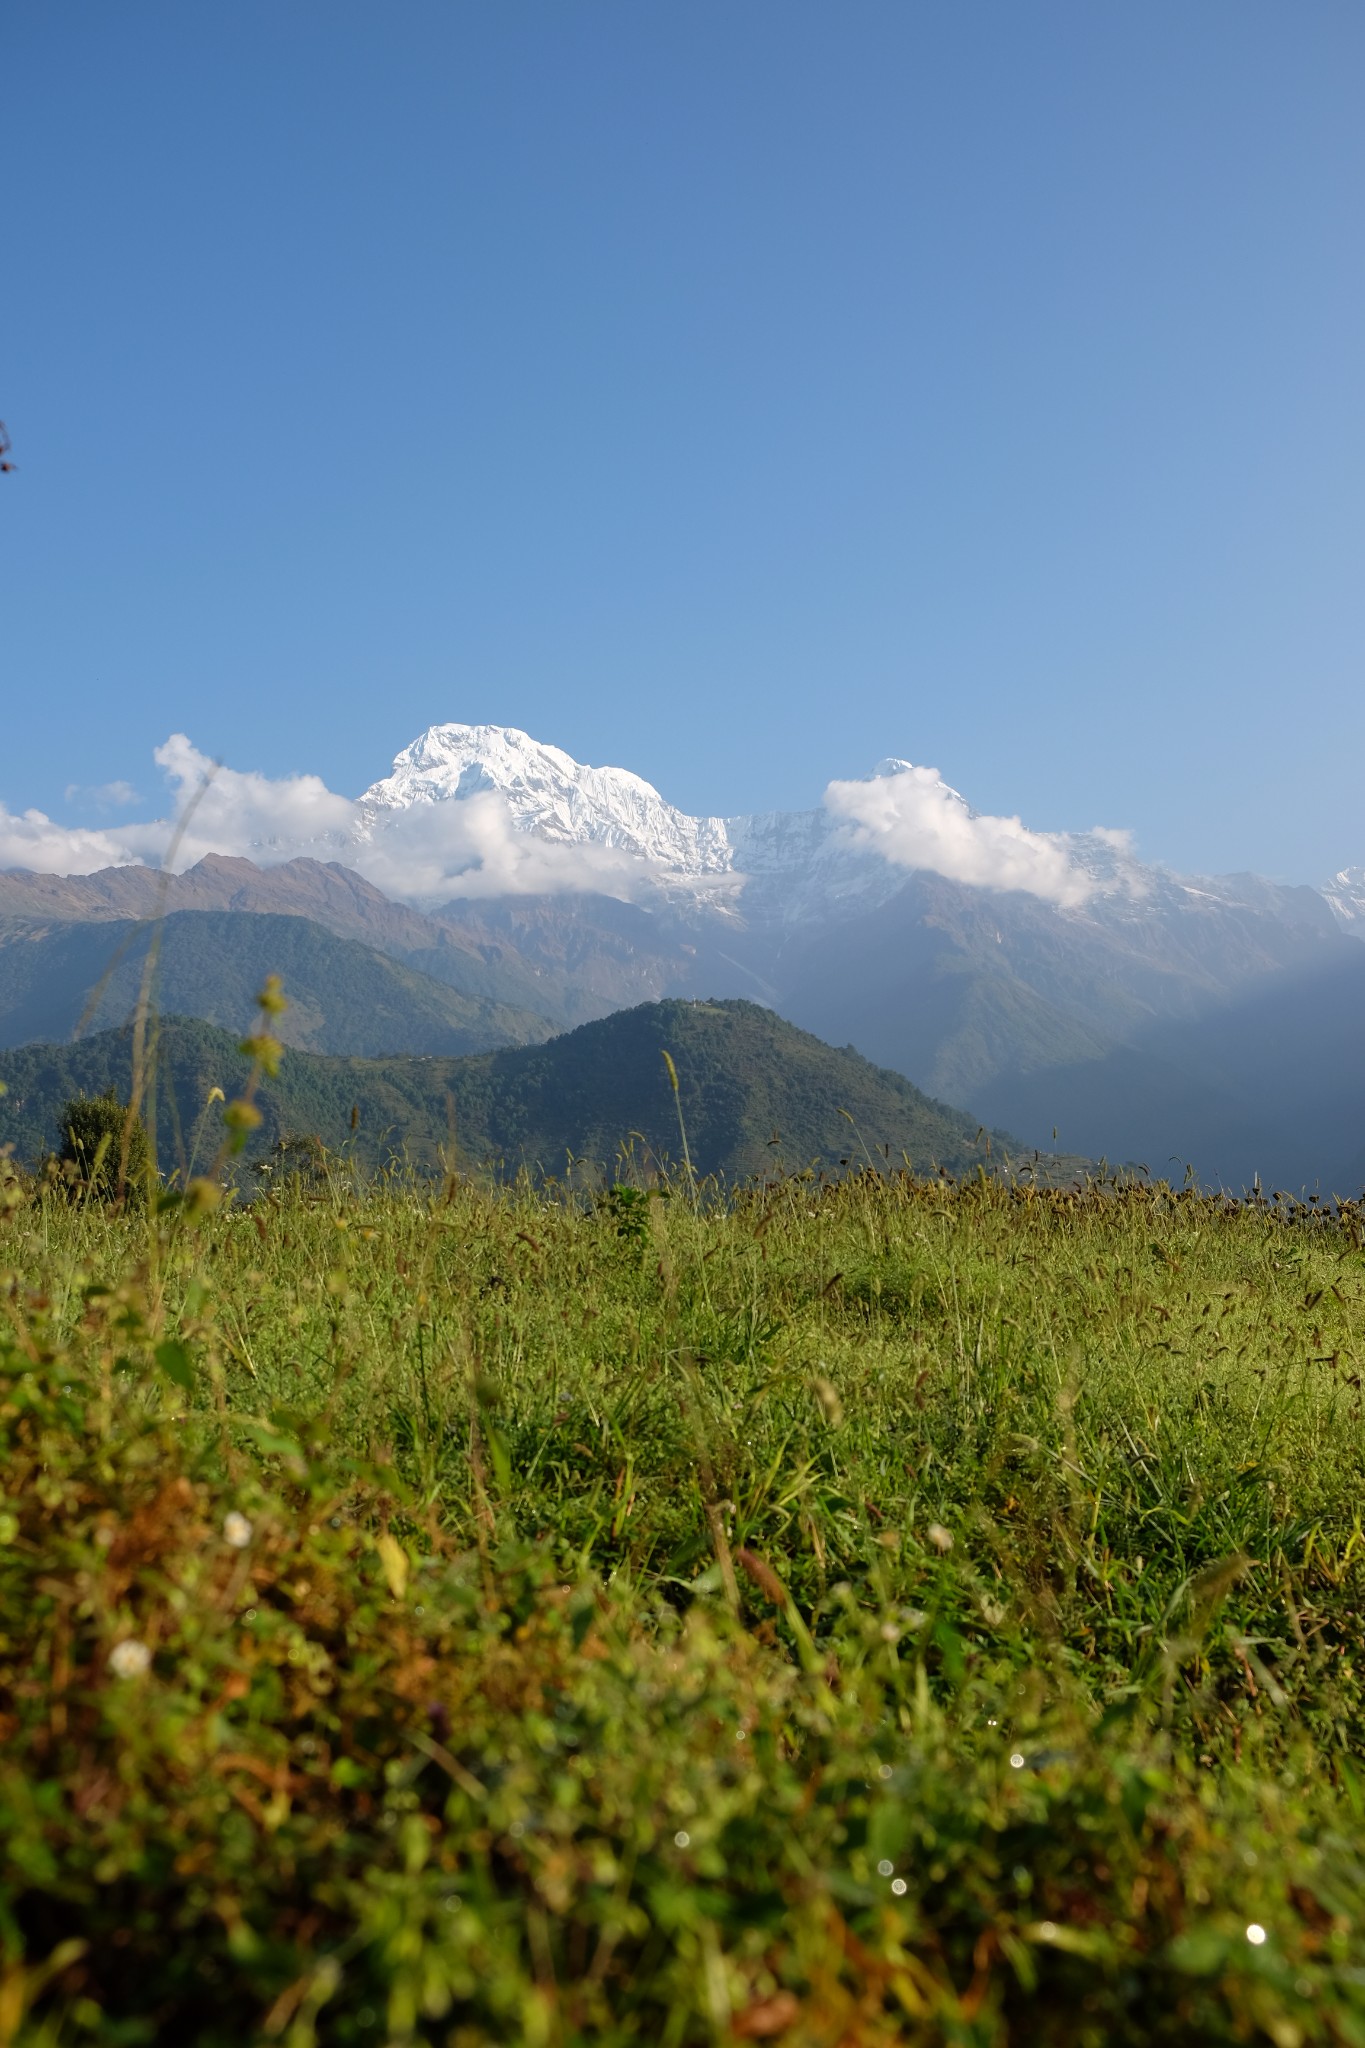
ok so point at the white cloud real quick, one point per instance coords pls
(472, 847)
(226, 810)
(30, 839)
(105, 796)
(426, 853)
(1119, 837)
(912, 818)
(432, 852)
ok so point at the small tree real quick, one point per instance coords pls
(106, 1143)
(295, 1155)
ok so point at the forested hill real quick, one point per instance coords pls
(755, 1094)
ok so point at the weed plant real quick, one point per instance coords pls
(829, 1614)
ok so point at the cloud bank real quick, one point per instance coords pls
(912, 818)
(425, 854)
(472, 847)
(226, 810)
(30, 839)
(429, 853)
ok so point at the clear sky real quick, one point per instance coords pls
(738, 391)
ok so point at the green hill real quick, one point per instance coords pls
(755, 1094)
(344, 997)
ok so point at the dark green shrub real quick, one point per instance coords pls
(295, 1156)
(105, 1142)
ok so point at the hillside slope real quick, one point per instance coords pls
(755, 1093)
(471, 960)
(1271, 1086)
(344, 997)
(1116, 1026)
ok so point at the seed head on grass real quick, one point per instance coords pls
(130, 1658)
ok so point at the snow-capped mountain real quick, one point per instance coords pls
(1046, 979)
(549, 793)
(792, 868)
(1050, 979)
(782, 866)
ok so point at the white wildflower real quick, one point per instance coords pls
(130, 1659)
(236, 1530)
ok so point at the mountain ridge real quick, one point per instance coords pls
(556, 798)
(1076, 977)
(64, 979)
(755, 1093)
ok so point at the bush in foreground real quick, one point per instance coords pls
(104, 1145)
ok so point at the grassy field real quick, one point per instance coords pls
(886, 1611)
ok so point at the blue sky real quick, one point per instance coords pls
(735, 392)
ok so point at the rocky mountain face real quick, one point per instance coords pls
(1100, 997)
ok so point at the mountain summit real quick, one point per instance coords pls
(549, 793)
(787, 866)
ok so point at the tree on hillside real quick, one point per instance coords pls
(106, 1143)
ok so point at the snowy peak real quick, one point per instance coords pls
(487, 811)
(609, 830)
(1345, 895)
(550, 794)
(855, 849)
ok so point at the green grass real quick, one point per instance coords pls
(845, 1614)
